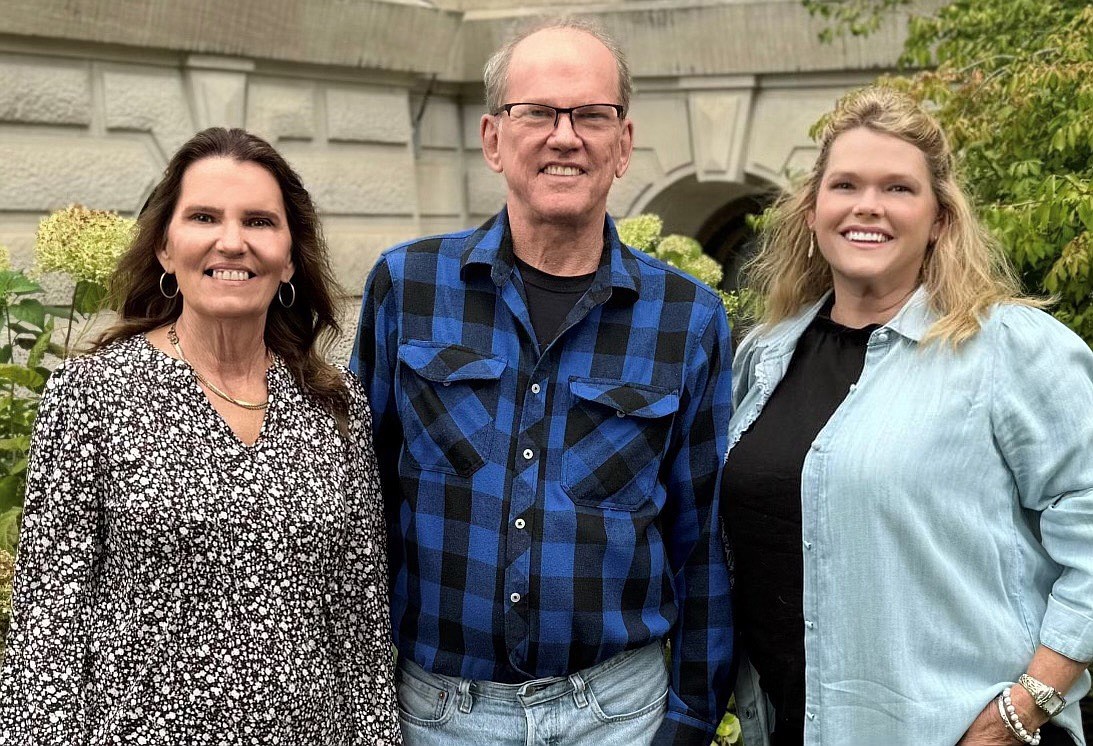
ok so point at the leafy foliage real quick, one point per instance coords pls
(643, 232)
(1013, 87)
(84, 244)
(855, 17)
(7, 573)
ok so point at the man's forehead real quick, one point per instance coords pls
(550, 56)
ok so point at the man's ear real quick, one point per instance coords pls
(626, 148)
(490, 129)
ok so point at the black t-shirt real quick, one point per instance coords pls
(550, 298)
(761, 504)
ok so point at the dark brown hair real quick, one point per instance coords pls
(299, 334)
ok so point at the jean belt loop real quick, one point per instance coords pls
(580, 698)
(466, 700)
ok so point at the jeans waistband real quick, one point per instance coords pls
(623, 665)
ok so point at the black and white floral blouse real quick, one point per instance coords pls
(176, 586)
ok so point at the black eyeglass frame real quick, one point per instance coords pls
(507, 109)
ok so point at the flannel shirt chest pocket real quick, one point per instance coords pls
(447, 405)
(616, 434)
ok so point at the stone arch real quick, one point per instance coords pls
(714, 213)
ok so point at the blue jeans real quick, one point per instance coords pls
(619, 702)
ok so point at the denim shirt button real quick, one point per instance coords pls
(811, 715)
(808, 545)
(882, 336)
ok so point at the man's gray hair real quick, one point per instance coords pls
(496, 73)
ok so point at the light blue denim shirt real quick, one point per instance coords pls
(947, 524)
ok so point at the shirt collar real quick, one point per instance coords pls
(491, 246)
(915, 318)
(912, 321)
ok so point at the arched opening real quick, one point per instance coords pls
(715, 214)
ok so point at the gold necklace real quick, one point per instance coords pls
(172, 337)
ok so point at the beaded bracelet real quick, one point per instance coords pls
(1012, 720)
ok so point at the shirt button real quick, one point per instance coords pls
(815, 446)
(447, 383)
(515, 598)
(853, 387)
(882, 336)
(749, 713)
(519, 523)
(811, 715)
(808, 545)
(535, 389)
(528, 454)
(809, 624)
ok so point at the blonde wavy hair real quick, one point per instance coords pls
(965, 271)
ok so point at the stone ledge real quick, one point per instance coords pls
(682, 39)
(361, 34)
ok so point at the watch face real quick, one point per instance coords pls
(1053, 705)
(1046, 698)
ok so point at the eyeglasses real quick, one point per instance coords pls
(589, 119)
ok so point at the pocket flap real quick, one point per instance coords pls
(445, 363)
(626, 398)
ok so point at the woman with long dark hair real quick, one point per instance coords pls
(202, 554)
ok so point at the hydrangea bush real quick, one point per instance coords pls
(84, 245)
(643, 232)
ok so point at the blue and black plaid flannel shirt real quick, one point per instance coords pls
(549, 508)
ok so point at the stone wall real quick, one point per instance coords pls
(377, 103)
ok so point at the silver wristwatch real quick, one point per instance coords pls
(1045, 697)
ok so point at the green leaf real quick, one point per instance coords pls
(20, 375)
(11, 492)
(19, 284)
(89, 297)
(18, 444)
(1085, 214)
(29, 310)
(58, 311)
(9, 528)
(41, 345)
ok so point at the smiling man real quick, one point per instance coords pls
(550, 409)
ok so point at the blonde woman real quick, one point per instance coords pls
(909, 488)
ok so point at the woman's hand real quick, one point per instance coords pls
(987, 729)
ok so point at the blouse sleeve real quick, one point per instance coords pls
(361, 616)
(1043, 422)
(42, 676)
